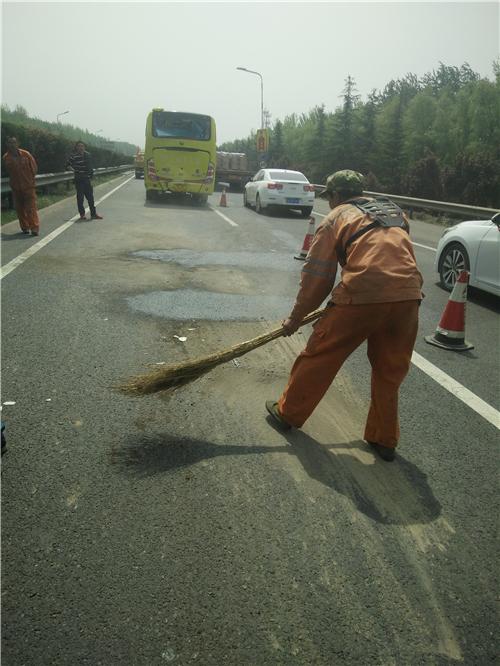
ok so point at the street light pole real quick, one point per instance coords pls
(250, 71)
(61, 114)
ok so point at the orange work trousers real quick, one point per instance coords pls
(390, 329)
(25, 203)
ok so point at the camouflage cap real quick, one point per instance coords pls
(350, 182)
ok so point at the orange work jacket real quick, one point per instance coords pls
(380, 265)
(22, 170)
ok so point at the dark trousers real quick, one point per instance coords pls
(84, 189)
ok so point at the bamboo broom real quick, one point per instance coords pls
(172, 377)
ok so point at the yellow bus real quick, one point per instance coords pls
(180, 154)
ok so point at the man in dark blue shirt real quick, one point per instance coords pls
(79, 162)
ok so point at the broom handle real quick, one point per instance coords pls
(278, 332)
(267, 337)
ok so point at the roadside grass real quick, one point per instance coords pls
(58, 192)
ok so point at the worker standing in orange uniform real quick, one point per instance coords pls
(22, 169)
(377, 300)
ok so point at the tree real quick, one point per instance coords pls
(424, 179)
(364, 134)
(416, 135)
(474, 179)
(276, 149)
(345, 124)
(418, 123)
(389, 136)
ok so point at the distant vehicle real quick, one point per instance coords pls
(472, 246)
(179, 154)
(232, 168)
(139, 164)
(279, 187)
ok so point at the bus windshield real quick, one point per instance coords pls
(190, 126)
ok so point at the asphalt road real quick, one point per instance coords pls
(187, 530)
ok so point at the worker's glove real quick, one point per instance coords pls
(290, 326)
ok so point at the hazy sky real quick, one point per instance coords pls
(110, 63)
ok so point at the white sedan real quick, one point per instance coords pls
(472, 246)
(279, 187)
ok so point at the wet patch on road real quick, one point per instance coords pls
(279, 261)
(191, 304)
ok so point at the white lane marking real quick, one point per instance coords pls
(21, 258)
(224, 217)
(426, 247)
(455, 388)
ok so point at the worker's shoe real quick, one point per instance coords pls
(272, 408)
(83, 217)
(97, 217)
(34, 233)
(25, 231)
(385, 452)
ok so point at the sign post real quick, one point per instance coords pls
(262, 140)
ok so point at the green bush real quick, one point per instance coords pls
(51, 151)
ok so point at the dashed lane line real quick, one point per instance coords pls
(224, 217)
(426, 247)
(21, 258)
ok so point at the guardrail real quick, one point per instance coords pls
(53, 178)
(429, 204)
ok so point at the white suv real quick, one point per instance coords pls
(279, 187)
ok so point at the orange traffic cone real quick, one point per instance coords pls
(450, 332)
(307, 240)
(223, 198)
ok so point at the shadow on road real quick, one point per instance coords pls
(389, 493)
(16, 235)
(150, 455)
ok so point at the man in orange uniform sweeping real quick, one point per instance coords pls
(22, 170)
(377, 300)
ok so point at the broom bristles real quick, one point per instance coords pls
(172, 377)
